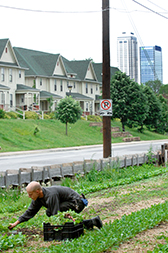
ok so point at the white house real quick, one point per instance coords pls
(30, 77)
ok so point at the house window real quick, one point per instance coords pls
(74, 85)
(86, 88)
(6, 49)
(91, 90)
(87, 107)
(10, 75)
(40, 81)
(96, 87)
(11, 100)
(67, 84)
(55, 85)
(20, 75)
(61, 87)
(2, 75)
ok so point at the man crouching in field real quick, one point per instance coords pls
(55, 198)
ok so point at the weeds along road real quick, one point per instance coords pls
(26, 159)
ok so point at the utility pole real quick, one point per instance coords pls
(106, 78)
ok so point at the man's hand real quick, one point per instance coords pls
(12, 225)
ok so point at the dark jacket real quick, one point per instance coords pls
(53, 198)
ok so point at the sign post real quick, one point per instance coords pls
(105, 105)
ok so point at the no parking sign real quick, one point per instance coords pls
(105, 107)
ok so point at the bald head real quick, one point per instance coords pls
(34, 190)
(33, 186)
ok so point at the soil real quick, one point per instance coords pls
(109, 208)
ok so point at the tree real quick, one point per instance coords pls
(129, 102)
(154, 85)
(155, 110)
(68, 111)
(162, 123)
(164, 89)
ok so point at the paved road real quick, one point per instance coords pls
(26, 159)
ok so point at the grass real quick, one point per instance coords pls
(18, 135)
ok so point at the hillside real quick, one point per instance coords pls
(18, 135)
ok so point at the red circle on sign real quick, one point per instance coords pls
(105, 104)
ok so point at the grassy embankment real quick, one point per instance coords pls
(18, 135)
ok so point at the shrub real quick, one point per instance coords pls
(83, 118)
(12, 115)
(7, 116)
(117, 120)
(2, 114)
(52, 115)
(31, 115)
(94, 118)
(46, 116)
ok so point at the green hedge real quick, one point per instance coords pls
(94, 118)
(31, 115)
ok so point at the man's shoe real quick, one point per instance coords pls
(97, 222)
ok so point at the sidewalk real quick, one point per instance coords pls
(76, 148)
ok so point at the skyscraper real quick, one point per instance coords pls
(127, 55)
(151, 64)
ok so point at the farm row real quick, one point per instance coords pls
(131, 202)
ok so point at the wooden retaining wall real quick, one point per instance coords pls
(56, 172)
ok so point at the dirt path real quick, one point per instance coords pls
(143, 241)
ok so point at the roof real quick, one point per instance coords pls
(22, 87)
(80, 67)
(98, 67)
(3, 43)
(46, 94)
(3, 87)
(8, 64)
(43, 64)
(38, 63)
(78, 96)
(68, 67)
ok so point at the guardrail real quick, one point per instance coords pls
(55, 172)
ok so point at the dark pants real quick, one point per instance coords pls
(76, 205)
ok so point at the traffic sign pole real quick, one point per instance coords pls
(106, 78)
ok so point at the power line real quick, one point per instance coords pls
(44, 11)
(150, 9)
(71, 12)
(157, 5)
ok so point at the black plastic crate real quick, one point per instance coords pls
(62, 232)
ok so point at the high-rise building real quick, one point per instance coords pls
(151, 64)
(127, 55)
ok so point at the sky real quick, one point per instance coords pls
(73, 28)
